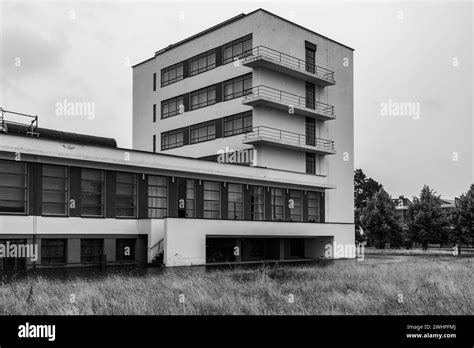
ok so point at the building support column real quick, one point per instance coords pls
(282, 248)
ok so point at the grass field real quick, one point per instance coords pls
(428, 286)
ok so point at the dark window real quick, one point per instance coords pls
(154, 81)
(172, 139)
(237, 87)
(238, 124)
(154, 143)
(310, 95)
(212, 200)
(55, 190)
(310, 131)
(157, 196)
(310, 58)
(154, 112)
(202, 63)
(313, 206)
(257, 203)
(277, 204)
(203, 97)
(172, 74)
(126, 195)
(310, 163)
(203, 132)
(13, 187)
(237, 49)
(296, 213)
(297, 247)
(92, 188)
(125, 249)
(235, 202)
(53, 251)
(190, 198)
(172, 107)
(91, 250)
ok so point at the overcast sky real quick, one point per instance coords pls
(422, 53)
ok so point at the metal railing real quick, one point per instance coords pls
(291, 62)
(32, 126)
(300, 139)
(290, 99)
(158, 248)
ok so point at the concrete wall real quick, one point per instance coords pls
(185, 242)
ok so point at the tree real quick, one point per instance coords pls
(426, 222)
(380, 221)
(462, 219)
(364, 189)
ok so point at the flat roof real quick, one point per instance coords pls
(231, 20)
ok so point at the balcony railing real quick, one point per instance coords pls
(290, 99)
(291, 62)
(295, 138)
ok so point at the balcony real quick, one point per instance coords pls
(268, 96)
(289, 140)
(269, 58)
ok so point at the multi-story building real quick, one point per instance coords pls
(242, 151)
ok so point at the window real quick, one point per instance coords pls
(238, 124)
(55, 190)
(203, 97)
(310, 95)
(172, 74)
(212, 201)
(202, 63)
(157, 196)
(126, 195)
(277, 204)
(92, 188)
(154, 143)
(53, 251)
(13, 187)
(310, 131)
(310, 163)
(310, 58)
(190, 198)
(237, 49)
(296, 213)
(154, 113)
(313, 206)
(256, 203)
(154, 81)
(203, 132)
(238, 87)
(125, 249)
(172, 139)
(172, 107)
(235, 202)
(297, 247)
(91, 250)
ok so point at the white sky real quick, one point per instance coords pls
(83, 51)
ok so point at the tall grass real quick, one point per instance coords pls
(346, 287)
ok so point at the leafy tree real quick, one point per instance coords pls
(462, 219)
(426, 221)
(364, 189)
(380, 221)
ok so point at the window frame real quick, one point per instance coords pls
(43, 246)
(24, 188)
(254, 203)
(239, 81)
(317, 207)
(102, 193)
(299, 197)
(276, 206)
(133, 196)
(99, 256)
(65, 191)
(197, 127)
(206, 92)
(208, 66)
(230, 120)
(212, 201)
(238, 205)
(233, 45)
(176, 143)
(157, 197)
(310, 163)
(175, 67)
(175, 102)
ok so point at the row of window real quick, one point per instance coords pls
(55, 198)
(54, 251)
(231, 89)
(205, 61)
(231, 125)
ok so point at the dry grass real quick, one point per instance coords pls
(346, 287)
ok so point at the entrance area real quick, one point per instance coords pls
(11, 264)
(253, 249)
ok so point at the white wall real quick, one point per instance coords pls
(185, 242)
